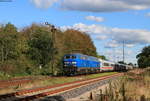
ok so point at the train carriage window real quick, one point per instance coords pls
(112, 64)
(106, 64)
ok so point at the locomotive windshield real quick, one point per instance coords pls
(67, 57)
(73, 57)
(70, 57)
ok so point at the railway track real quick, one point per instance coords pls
(23, 80)
(15, 81)
(32, 94)
(19, 81)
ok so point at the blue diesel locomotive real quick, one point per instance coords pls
(76, 63)
(80, 64)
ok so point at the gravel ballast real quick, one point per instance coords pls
(78, 91)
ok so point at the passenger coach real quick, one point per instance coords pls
(106, 65)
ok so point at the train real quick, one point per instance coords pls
(76, 63)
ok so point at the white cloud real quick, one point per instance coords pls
(95, 5)
(105, 5)
(148, 14)
(129, 52)
(130, 45)
(111, 44)
(115, 44)
(101, 37)
(94, 18)
(119, 52)
(43, 3)
(117, 55)
(129, 36)
(94, 29)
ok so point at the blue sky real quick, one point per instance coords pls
(108, 22)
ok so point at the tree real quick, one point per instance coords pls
(78, 42)
(144, 57)
(41, 47)
(121, 62)
(9, 39)
(38, 35)
(11, 50)
(131, 64)
(102, 57)
(21, 52)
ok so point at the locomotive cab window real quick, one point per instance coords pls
(70, 57)
(67, 57)
(73, 57)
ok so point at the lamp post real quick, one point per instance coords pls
(53, 30)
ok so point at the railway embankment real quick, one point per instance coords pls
(83, 92)
(130, 86)
(23, 83)
(48, 86)
(133, 86)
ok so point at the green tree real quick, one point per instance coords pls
(41, 47)
(144, 57)
(9, 39)
(37, 35)
(11, 49)
(131, 64)
(102, 57)
(121, 62)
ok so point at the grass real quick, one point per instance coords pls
(131, 87)
(61, 80)
(39, 81)
(100, 75)
(4, 76)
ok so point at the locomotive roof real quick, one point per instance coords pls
(79, 54)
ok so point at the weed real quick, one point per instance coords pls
(131, 87)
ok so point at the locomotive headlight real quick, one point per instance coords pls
(74, 62)
(66, 62)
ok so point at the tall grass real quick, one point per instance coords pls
(131, 87)
(4, 76)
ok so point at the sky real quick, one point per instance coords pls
(110, 23)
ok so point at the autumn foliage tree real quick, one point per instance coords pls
(78, 42)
